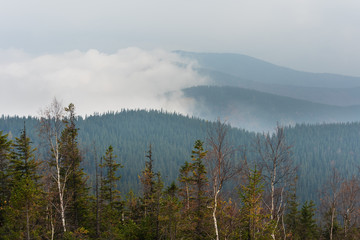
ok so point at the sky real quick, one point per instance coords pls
(113, 54)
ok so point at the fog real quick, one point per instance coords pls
(94, 81)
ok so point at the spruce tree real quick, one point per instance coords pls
(152, 189)
(292, 216)
(200, 184)
(76, 191)
(26, 200)
(110, 195)
(170, 212)
(255, 224)
(194, 193)
(308, 227)
(5, 147)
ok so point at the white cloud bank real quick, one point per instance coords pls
(131, 78)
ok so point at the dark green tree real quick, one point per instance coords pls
(200, 184)
(255, 223)
(152, 193)
(5, 148)
(185, 180)
(76, 190)
(194, 195)
(170, 212)
(26, 201)
(308, 227)
(292, 216)
(110, 195)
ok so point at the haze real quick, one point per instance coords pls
(108, 55)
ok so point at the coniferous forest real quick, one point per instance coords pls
(139, 174)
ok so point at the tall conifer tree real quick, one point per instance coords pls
(5, 147)
(23, 211)
(76, 190)
(110, 195)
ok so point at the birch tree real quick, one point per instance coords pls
(51, 126)
(349, 207)
(277, 168)
(220, 164)
(330, 200)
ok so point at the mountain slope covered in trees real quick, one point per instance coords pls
(256, 110)
(144, 175)
(316, 148)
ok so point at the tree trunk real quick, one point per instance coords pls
(61, 197)
(214, 215)
(27, 221)
(332, 223)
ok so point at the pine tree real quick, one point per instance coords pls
(110, 195)
(185, 179)
(76, 190)
(186, 194)
(23, 211)
(255, 222)
(152, 189)
(194, 192)
(170, 212)
(308, 227)
(200, 184)
(5, 147)
(292, 217)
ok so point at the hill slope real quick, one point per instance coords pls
(257, 111)
(250, 68)
(325, 95)
(316, 148)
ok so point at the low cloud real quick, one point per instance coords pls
(131, 78)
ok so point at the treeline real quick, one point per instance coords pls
(49, 197)
(316, 149)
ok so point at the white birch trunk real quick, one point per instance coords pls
(214, 215)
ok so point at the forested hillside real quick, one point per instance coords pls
(309, 152)
(257, 110)
(316, 148)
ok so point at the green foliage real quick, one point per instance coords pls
(292, 217)
(177, 212)
(152, 186)
(111, 204)
(255, 223)
(24, 208)
(199, 185)
(5, 148)
(308, 227)
(109, 192)
(76, 188)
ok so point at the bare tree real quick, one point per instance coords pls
(50, 129)
(349, 203)
(220, 163)
(330, 198)
(277, 168)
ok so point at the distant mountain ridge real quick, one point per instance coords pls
(324, 95)
(261, 71)
(258, 111)
(255, 94)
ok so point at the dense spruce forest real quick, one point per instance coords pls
(140, 174)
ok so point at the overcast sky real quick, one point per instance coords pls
(39, 36)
